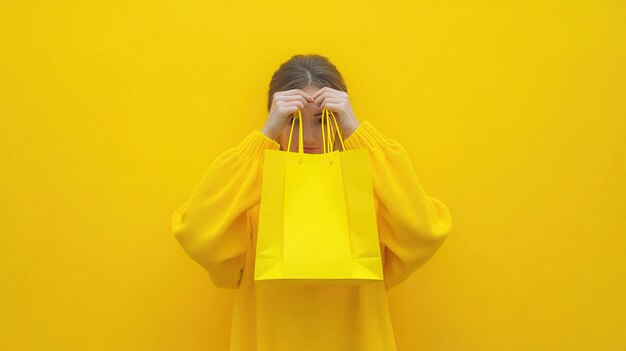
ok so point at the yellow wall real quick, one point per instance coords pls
(514, 114)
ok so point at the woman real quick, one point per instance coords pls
(218, 225)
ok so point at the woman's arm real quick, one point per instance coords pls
(212, 226)
(411, 224)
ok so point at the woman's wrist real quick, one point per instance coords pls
(348, 129)
(268, 133)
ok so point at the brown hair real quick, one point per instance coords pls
(301, 71)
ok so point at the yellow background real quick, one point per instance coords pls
(514, 115)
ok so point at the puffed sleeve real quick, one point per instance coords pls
(412, 225)
(213, 226)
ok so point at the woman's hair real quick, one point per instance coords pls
(301, 71)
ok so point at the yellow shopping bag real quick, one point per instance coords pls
(317, 220)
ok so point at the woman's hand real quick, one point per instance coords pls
(337, 101)
(284, 104)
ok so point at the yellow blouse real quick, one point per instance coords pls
(217, 228)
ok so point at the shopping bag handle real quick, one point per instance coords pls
(326, 112)
(327, 140)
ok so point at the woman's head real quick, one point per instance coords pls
(309, 73)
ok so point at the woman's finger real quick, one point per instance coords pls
(334, 93)
(320, 100)
(295, 92)
(283, 104)
(292, 98)
(335, 108)
(334, 100)
(321, 91)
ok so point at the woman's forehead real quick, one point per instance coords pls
(311, 89)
